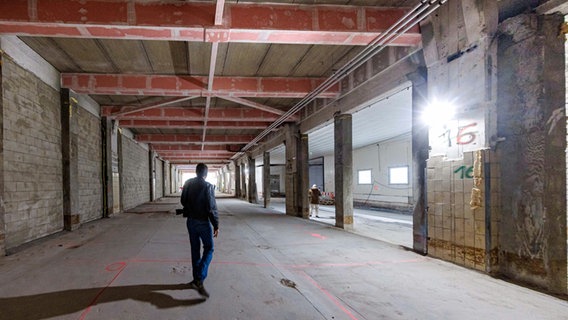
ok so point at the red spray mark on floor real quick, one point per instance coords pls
(317, 235)
(329, 296)
(118, 266)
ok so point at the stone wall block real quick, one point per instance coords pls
(135, 173)
(32, 149)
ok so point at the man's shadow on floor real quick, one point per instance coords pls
(52, 304)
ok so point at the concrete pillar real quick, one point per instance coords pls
(152, 162)
(221, 179)
(296, 159)
(2, 210)
(304, 172)
(120, 171)
(244, 193)
(532, 129)
(237, 181)
(266, 179)
(69, 150)
(419, 156)
(252, 194)
(108, 201)
(343, 135)
(289, 183)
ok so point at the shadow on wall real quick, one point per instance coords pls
(53, 304)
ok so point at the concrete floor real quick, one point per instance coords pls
(394, 228)
(266, 266)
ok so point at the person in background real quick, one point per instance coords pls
(200, 208)
(314, 194)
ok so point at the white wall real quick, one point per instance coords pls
(378, 157)
(274, 170)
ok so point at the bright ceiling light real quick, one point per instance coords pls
(438, 113)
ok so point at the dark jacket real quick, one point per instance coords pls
(314, 194)
(198, 200)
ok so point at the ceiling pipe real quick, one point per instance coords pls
(412, 18)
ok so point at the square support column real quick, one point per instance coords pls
(152, 165)
(252, 195)
(296, 172)
(419, 156)
(243, 194)
(266, 179)
(304, 171)
(343, 134)
(69, 150)
(2, 210)
(237, 180)
(108, 201)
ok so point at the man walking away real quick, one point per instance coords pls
(314, 194)
(200, 208)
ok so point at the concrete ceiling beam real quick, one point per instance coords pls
(200, 21)
(190, 147)
(192, 155)
(175, 124)
(192, 139)
(192, 86)
(194, 114)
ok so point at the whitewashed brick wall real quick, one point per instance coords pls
(90, 166)
(33, 196)
(135, 179)
(159, 167)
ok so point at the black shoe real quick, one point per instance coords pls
(193, 285)
(201, 290)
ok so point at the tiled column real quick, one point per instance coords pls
(343, 171)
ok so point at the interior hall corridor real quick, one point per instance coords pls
(266, 265)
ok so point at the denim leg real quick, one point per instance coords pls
(200, 232)
(206, 234)
(195, 248)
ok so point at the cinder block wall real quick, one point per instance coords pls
(159, 167)
(135, 179)
(456, 231)
(90, 168)
(167, 182)
(33, 187)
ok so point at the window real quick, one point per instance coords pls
(398, 175)
(364, 177)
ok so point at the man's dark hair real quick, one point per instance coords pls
(201, 170)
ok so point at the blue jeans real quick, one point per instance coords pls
(200, 231)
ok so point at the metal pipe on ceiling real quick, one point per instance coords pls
(412, 18)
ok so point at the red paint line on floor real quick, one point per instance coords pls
(119, 266)
(291, 266)
(329, 296)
